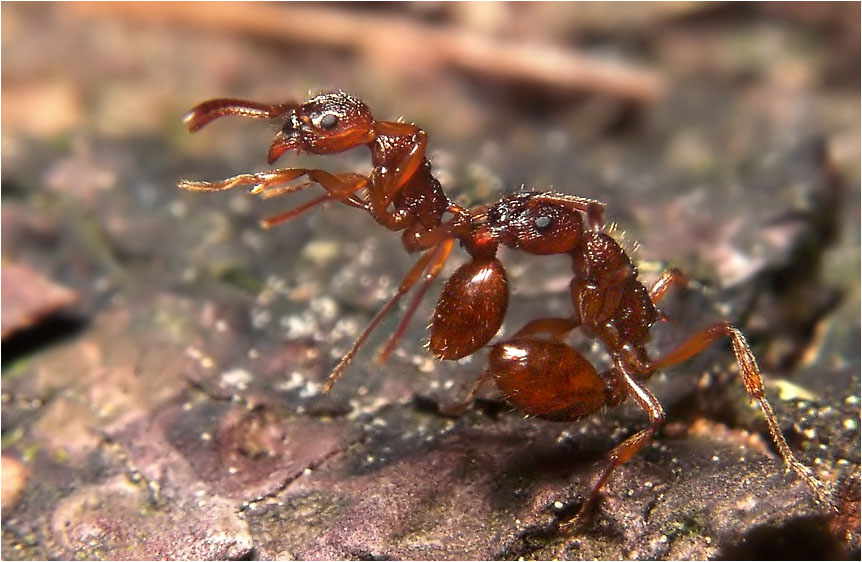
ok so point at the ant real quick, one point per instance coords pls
(535, 369)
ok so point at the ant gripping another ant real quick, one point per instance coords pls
(535, 369)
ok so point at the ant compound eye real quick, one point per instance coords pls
(328, 121)
(543, 223)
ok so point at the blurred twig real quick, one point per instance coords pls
(399, 41)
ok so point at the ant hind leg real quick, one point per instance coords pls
(623, 452)
(753, 382)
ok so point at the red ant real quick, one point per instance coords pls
(541, 376)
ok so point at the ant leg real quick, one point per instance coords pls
(556, 328)
(271, 192)
(274, 220)
(259, 181)
(460, 407)
(623, 452)
(753, 382)
(659, 289)
(597, 304)
(266, 183)
(669, 278)
(346, 178)
(405, 286)
(388, 186)
(441, 254)
(343, 192)
(210, 110)
(341, 186)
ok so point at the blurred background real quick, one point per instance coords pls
(162, 355)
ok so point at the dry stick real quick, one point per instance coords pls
(544, 65)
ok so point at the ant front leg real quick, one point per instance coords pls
(388, 182)
(341, 187)
(271, 183)
(258, 182)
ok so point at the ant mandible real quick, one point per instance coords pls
(541, 376)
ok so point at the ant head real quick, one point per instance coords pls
(536, 223)
(324, 124)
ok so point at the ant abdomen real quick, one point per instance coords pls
(546, 379)
(470, 310)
